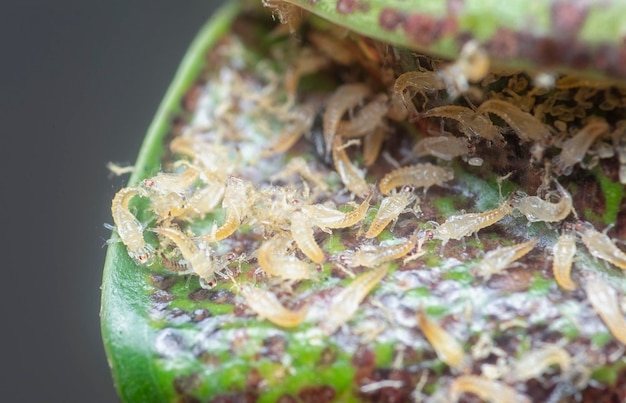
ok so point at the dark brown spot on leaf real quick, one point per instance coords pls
(422, 28)
(390, 19)
(317, 394)
(350, 6)
(568, 18)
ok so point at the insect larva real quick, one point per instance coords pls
(472, 124)
(325, 217)
(574, 149)
(265, 304)
(372, 256)
(274, 260)
(299, 166)
(603, 299)
(499, 259)
(390, 208)
(350, 175)
(462, 225)
(299, 123)
(235, 202)
(372, 144)
(128, 227)
(538, 361)
(537, 209)
(600, 245)
(345, 97)
(368, 118)
(418, 175)
(200, 261)
(486, 389)
(416, 82)
(302, 233)
(444, 147)
(527, 127)
(179, 183)
(563, 251)
(448, 349)
(472, 65)
(345, 304)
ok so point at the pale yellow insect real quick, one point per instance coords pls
(538, 361)
(411, 83)
(390, 208)
(179, 183)
(235, 202)
(603, 299)
(563, 251)
(129, 229)
(308, 61)
(444, 147)
(375, 255)
(367, 119)
(499, 259)
(325, 217)
(345, 304)
(462, 225)
(487, 389)
(350, 175)
(203, 201)
(274, 259)
(372, 144)
(600, 245)
(299, 166)
(300, 122)
(265, 304)
(536, 209)
(527, 127)
(215, 159)
(345, 97)
(419, 175)
(198, 260)
(472, 124)
(448, 349)
(574, 149)
(302, 233)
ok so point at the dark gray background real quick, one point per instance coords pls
(79, 84)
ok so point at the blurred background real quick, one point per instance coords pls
(79, 85)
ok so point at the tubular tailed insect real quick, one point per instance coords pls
(299, 166)
(325, 217)
(299, 123)
(527, 127)
(372, 256)
(499, 259)
(367, 119)
(344, 98)
(444, 147)
(416, 82)
(350, 175)
(472, 65)
(486, 389)
(345, 304)
(603, 299)
(390, 208)
(563, 251)
(214, 159)
(418, 175)
(600, 245)
(198, 260)
(235, 202)
(536, 362)
(372, 144)
(265, 304)
(448, 349)
(275, 260)
(203, 201)
(128, 227)
(472, 124)
(462, 225)
(537, 209)
(302, 233)
(574, 150)
(179, 183)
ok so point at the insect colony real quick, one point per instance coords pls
(274, 190)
